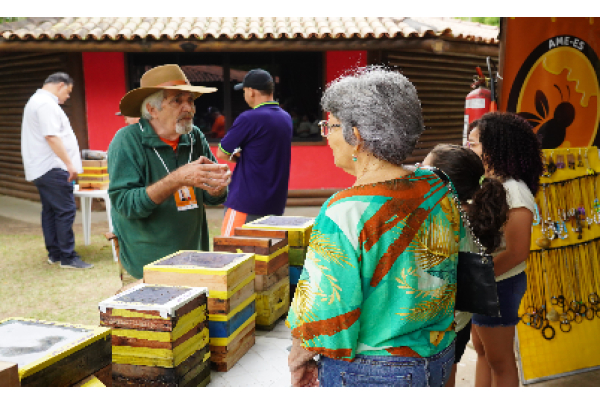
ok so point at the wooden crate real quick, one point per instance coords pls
(155, 308)
(266, 261)
(218, 271)
(102, 378)
(52, 353)
(222, 273)
(95, 171)
(269, 264)
(269, 253)
(9, 374)
(224, 325)
(162, 357)
(226, 351)
(93, 177)
(224, 302)
(223, 362)
(298, 228)
(264, 282)
(224, 345)
(272, 304)
(156, 325)
(191, 372)
(253, 245)
(94, 163)
(297, 256)
(261, 232)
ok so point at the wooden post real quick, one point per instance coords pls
(227, 91)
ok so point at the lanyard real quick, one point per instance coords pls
(163, 162)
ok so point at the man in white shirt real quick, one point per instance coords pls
(52, 161)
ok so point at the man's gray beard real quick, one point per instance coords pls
(184, 127)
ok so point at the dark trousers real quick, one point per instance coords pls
(58, 213)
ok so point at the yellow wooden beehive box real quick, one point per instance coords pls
(47, 352)
(298, 228)
(216, 271)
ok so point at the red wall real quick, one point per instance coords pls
(338, 62)
(104, 72)
(104, 75)
(312, 166)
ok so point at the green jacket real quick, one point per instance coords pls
(148, 231)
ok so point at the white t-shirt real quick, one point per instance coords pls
(43, 116)
(517, 195)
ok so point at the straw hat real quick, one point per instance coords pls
(159, 78)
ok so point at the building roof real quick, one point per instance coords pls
(77, 29)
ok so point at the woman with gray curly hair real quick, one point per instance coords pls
(376, 296)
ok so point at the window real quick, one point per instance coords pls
(298, 80)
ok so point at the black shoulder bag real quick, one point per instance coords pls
(476, 285)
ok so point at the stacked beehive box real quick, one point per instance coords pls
(55, 354)
(95, 174)
(231, 305)
(9, 374)
(271, 267)
(159, 337)
(299, 230)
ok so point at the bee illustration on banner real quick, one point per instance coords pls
(553, 131)
(556, 90)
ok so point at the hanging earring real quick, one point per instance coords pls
(354, 157)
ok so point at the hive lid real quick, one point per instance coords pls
(283, 222)
(209, 262)
(164, 299)
(36, 344)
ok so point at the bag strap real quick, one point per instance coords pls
(452, 192)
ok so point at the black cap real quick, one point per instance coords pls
(255, 79)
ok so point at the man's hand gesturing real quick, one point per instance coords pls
(205, 174)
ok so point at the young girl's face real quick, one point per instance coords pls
(428, 161)
(473, 142)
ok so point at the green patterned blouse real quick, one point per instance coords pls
(380, 272)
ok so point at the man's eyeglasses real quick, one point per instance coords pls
(326, 127)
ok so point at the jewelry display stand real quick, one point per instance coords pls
(560, 312)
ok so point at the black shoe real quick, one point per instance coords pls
(75, 262)
(53, 261)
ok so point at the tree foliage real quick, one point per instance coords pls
(9, 19)
(483, 20)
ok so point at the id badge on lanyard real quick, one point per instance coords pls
(185, 197)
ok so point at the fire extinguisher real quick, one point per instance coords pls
(481, 100)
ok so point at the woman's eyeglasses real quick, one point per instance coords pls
(326, 127)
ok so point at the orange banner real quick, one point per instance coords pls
(551, 77)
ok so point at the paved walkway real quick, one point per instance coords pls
(266, 362)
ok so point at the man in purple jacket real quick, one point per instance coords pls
(259, 142)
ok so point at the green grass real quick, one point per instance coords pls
(31, 288)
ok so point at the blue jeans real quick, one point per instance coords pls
(510, 293)
(387, 371)
(58, 213)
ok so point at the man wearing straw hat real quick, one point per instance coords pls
(155, 162)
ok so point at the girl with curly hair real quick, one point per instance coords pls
(511, 153)
(484, 200)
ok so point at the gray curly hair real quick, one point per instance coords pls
(383, 105)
